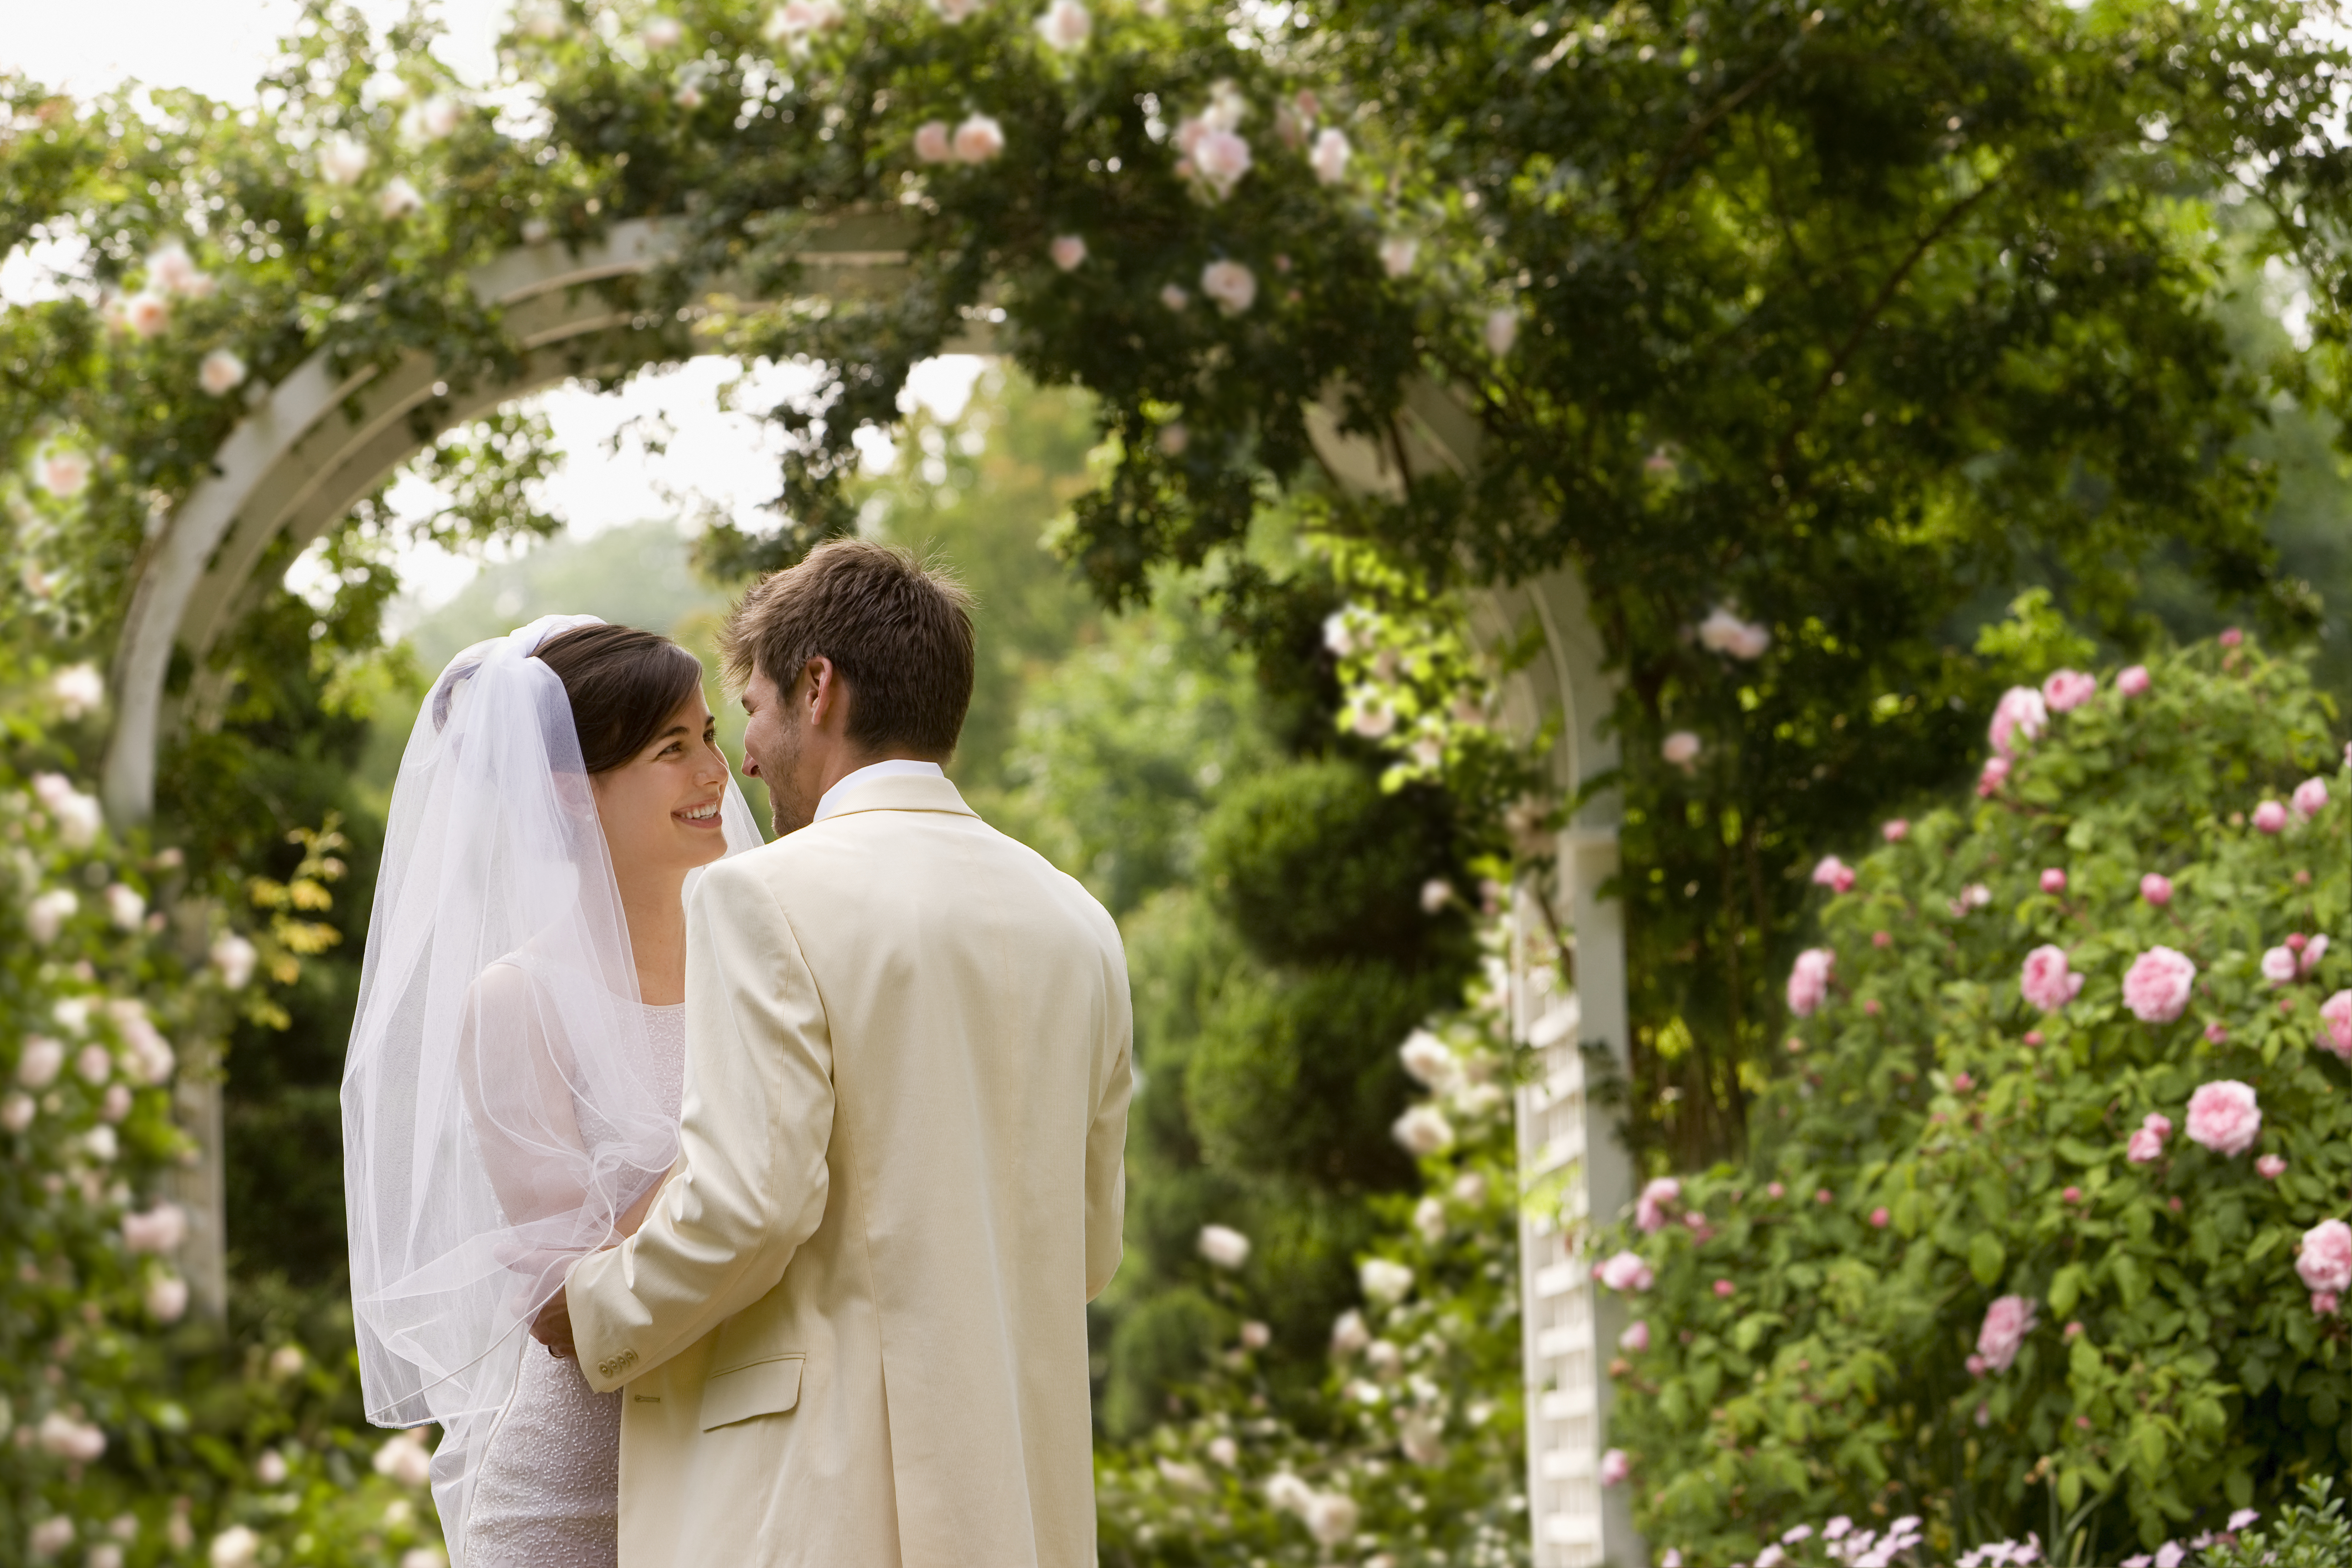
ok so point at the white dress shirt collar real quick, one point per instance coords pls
(896, 768)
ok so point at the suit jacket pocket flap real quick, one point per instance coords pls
(763, 1388)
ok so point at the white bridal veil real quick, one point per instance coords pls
(498, 1113)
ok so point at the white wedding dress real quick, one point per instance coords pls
(548, 1491)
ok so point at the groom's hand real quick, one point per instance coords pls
(552, 1328)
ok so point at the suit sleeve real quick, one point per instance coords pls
(751, 1183)
(1106, 1137)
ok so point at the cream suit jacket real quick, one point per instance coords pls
(851, 1333)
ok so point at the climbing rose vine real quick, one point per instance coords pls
(2041, 1232)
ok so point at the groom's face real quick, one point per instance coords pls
(775, 751)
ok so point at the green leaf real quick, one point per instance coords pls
(2065, 1289)
(1986, 1258)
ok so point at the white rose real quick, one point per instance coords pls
(1225, 1246)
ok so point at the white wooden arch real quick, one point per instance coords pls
(1567, 1143)
(314, 444)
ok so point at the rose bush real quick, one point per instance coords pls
(136, 1431)
(1978, 1279)
(1411, 1450)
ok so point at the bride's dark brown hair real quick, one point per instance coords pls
(623, 683)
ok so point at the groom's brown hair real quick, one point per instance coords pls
(899, 631)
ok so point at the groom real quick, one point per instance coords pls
(851, 1333)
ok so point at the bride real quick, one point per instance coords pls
(511, 1096)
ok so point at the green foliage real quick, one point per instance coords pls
(138, 1430)
(1315, 863)
(1406, 1440)
(2309, 1532)
(1936, 1142)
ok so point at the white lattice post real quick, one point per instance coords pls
(1574, 1170)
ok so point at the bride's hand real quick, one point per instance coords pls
(552, 1328)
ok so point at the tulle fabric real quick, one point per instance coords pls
(498, 1116)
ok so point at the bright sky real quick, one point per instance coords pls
(713, 459)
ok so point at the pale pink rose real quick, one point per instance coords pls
(1221, 158)
(172, 269)
(1398, 252)
(2017, 718)
(2324, 1262)
(2053, 880)
(2156, 889)
(159, 1229)
(2223, 1116)
(2158, 984)
(147, 314)
(934, 144)
(2310, 797)
(1423, 1130)
(2006, 1323)
(1650, 1208)
(1635, 1339)
(2312, 951)
(1174, 297)
(1894, 831)
(2133, 681)
(2217, 1032)
(2144, 1148)
(2279, 965)
(16, 1112)
(1681, 749)
(1833, 874)
(166, 1298)
(2270, 817)
(1626, 1271)
(1723, 1289)
(979, 139)
(1502, 332)
(1749, 641)
(2067, 689)
(1428, 1058)
(1069, 251)
(1223, 1245)
(2045, 981)
(1614, 1467)
(221, 374)
(2335, 1015)
(2325, 1302)
(2231, 636)
(1232, 285)
(1994, 773)
(343, 160)
(1879, 1218)
(1348, 1334)
(1065, 25)
(1976, 1365)
(94, 1064)
(2270, 1167)
(63, 473)
(125, 907)
(116, 1106)
(40, 1061)
(1809, 981)
(1329, 158)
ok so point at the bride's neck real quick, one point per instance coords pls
(653, 904)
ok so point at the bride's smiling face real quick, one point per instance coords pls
(660, 808)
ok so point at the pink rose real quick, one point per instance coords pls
(2310, 797)
(1878, 1219)
(2156, 889)
(1614, 1467)
(1650, 1208)
(1723, 1289)
(1976, 1364)
(2270, 818)
(932, 143)
(2053, 880)
(2069, 689)
(2323, 1303)
(2071, 1196)
(2312, 951)
(2335, 1016)
(2045, 980)
(1996, 770)
(2270, 1167)
(2007, 1322)
(2231, 636)
(2157, 986)
(2323, 1261)
(2133, 681)
(1833, 874)
(2279, 965)
(1809, 981)
(2017, 718)
(1627, 1272)
(1894, 831)
(1635, 1339)
(2144, 1148)
(2223, 1116)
